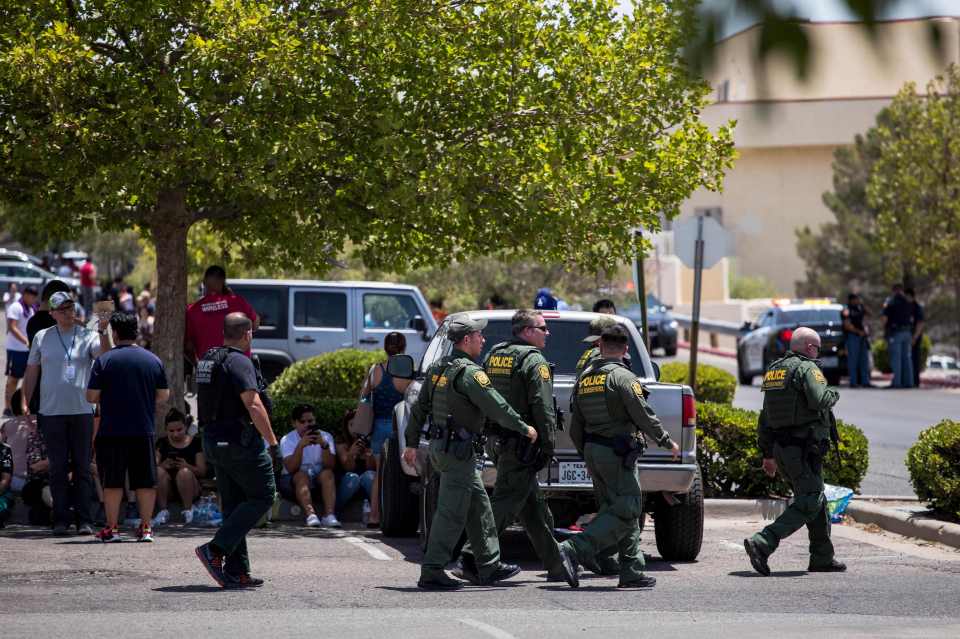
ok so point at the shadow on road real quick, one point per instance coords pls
(782, 573)
(195, 589)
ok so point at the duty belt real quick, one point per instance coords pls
(789, 438)
(609, 442)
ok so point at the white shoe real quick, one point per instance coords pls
(313, 521)
(162, 517)
(330, 521)
(188, 516)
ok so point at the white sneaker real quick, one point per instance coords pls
(313, 521)
(162, 517)
(188, 516)
(330, 521)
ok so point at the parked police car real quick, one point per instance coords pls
(768, 337)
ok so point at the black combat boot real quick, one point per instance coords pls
(466, 568)
(833, 566)
(438, 581)
(570, 566)
(643, 581)
(501, 573)
(757, 558)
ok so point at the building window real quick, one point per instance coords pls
(714, 212)
(723, 91)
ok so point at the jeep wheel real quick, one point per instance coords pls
(679, 528)
(745, 378)
(398, 504)
(670, 351)
(429, 490)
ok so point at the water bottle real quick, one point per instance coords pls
(366, 511)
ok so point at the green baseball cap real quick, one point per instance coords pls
(459, 325)
(596, 328)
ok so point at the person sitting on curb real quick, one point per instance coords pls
(309, 460)
(181, 464)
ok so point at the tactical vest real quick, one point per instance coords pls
(503, 367)
(587, 358)
(593, 387)
(211, 383)
(784, 402)
(445, 400)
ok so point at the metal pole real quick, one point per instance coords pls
(695, 319)
(640, 285)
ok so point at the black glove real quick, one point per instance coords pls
(276, 458)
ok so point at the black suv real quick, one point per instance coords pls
(661, 323)
(768, 338)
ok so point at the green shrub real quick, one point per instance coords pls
(934, 465)
(713, 384)
(330, 382)
(881, 356)
(730, 460)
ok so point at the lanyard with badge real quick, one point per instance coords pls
(69, 369)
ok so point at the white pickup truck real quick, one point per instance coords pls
(672, 489)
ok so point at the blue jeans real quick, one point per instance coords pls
(350, 483)
(858, 362)
(382, 430)
(898, 345)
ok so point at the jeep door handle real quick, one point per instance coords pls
(369, 340)
(305, 340)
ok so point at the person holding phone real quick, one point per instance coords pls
(182, 465)
(309, 461)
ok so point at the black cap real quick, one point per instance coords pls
(30, 289)
(615, 334)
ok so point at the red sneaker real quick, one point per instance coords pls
(108, 535)
(145, 533)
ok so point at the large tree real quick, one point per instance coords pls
(419, 131)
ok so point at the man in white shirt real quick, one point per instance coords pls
(308, 462)
(17, 344)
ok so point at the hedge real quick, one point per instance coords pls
(330, 382)
(934, 465)
(730, 460)
(881, 357)
(713, 384)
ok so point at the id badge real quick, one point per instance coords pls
(69, 373)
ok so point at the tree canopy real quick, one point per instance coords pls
(419, 131)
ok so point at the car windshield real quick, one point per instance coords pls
(810, 316)
(564, 345)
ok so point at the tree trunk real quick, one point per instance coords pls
(168, 228)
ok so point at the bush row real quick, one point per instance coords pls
(731, 461)
(934, 465)
(713, 384)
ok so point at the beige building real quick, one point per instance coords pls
(787, 129)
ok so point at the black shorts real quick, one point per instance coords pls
(117, 456)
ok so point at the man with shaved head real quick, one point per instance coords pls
(793, 436)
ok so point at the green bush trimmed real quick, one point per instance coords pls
(934, 465)
(730, 460)
(881, 356)
(713, 384)
(330, 382)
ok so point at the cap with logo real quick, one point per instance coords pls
(459, 325)
(596, 328)
(59, 300)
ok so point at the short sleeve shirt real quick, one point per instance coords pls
(241, 377)
(312, 455)
(205, 320)
(67, 358)
(21, 315)
(188, 453)
(128, 378)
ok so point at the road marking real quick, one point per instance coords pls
(493, 631)
(374, 552)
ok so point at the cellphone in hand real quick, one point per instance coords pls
(364, 440)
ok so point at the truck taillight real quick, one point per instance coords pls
(786, 334)
(689, 411)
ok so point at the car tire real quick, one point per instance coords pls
(679, 528)
(670, 351)
(429, 491)
(745, 378)
(398, 504)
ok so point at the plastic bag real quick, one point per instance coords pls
(838, 498)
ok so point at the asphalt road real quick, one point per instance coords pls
(891, 419)
(359, 585)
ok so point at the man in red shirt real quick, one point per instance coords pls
(88, 279)
(205, 316)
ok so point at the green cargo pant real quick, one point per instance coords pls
(246, 487)
(461, 503)
(809, 508)
(619, 502)
(517, 495)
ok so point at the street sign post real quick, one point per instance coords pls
(639, 284)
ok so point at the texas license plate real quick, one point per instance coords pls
(574, 473)
(830, 362)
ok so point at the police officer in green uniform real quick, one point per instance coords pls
(592, 352)
(609, 412)
(793, 436)
(457, 397)
(235, 423)
(520, 373)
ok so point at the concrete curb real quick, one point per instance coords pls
(766, 508)
(905, 523)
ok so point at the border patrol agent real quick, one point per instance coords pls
(458, 397)
(234, 423)
(592, 353)
(520, 373)
(609, 407)
(793, 435)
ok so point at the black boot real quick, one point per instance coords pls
(643, 581)
(466, 568)
(833, 566)
(501, 573)
(438, 582)
(757, 558)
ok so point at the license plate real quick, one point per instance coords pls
(830, 362)
(574, 473)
